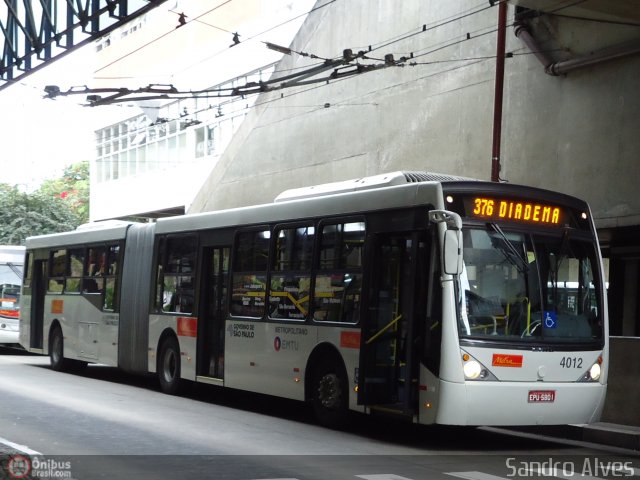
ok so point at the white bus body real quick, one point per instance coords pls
(366, 299)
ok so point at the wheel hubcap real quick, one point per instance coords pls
(56, 350)
(169, 366)
(329, 392)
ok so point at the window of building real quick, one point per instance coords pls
(185, 130)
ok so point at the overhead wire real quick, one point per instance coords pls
(469, 61)
(425, 29)
(197, 19)
(359, 68)
(159, 38)
(433, 25)
(181, 15)
(335, 76)
(291, 19)
(417, 54)
(254, 36)
(412, 31)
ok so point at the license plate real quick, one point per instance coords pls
(541, 396)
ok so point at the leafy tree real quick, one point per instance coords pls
(72, 188)
(23, 215)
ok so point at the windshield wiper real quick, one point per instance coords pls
(520, 263)
(15, 269)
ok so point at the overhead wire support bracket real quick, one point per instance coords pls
(340, 67)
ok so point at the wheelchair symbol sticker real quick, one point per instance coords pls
(550, 319)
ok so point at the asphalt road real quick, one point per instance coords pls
(104, 423)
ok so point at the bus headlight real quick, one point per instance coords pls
(475, 370)
(472, 369)
(594, 371)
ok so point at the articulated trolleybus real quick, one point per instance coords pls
(435, 298)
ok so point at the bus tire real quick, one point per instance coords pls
(56, 351)
(169, 366)
(330, 395)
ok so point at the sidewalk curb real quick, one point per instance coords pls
(609, 434)
(622, 436)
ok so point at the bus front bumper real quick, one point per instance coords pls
(9, 332)
(520, 403)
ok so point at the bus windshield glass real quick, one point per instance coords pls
(10, 279)
(530, 287)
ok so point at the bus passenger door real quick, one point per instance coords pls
(213, 311)
(389, 360)
(38, 291)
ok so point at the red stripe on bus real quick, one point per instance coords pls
(187, 326)
(57, 306)
(350, 339)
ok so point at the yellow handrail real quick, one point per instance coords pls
(385, 328)
(522, 299)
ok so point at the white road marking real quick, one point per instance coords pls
(20, 448)
(383, 476)
(474, 475)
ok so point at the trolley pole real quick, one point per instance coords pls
(499, 88)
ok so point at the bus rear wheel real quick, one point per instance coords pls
(330, 396)
(169, 366)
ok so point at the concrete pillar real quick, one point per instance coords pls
(630, 309)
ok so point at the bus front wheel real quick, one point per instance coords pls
(169, 366)
(330, 395)
(56, 351)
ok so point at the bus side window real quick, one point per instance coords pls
(57, 271)
(28, 272)
(338, 281)
(93, 280)
(250, 261)
(111, 262)
(176, 274)
(74, 274)
(291, 273)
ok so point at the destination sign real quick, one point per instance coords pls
(491, 208)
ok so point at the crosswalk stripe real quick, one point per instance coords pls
(474, 475)
(558, 474)
(383, 476)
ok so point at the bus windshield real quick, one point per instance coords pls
(529, 287)
(10, 280)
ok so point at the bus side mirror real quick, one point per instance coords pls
(451, 241)
(452, 252)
